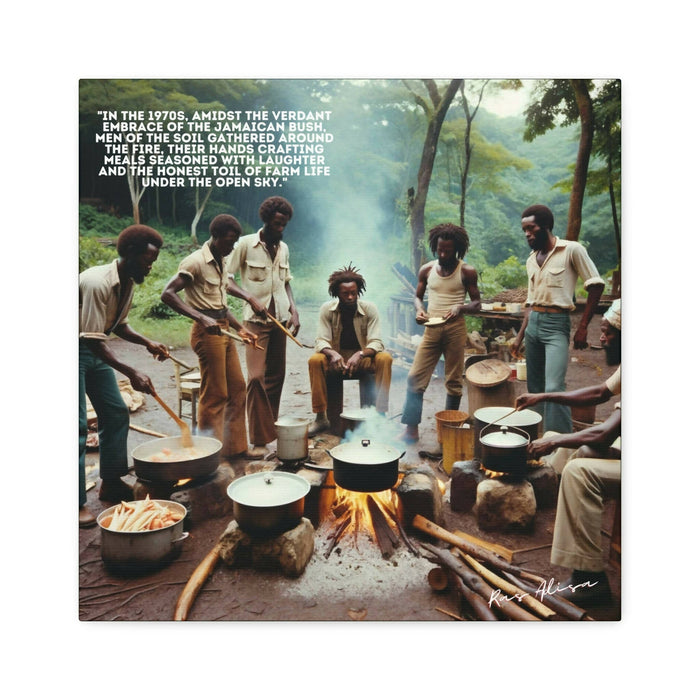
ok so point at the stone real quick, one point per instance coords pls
(420, 494)
(545, 482)
(210, 499)
(290, 551)
(505, 505)
(465, 478)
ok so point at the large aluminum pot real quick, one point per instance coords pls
(292, 438)
(142, 551)
(206, 453)
(366, 467)
(268, 503)
(526, 420)
(504, 449)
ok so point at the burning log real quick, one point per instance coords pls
(409, 543)
(336, 534)
(386, 539)
(476, 584)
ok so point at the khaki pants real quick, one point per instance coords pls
(266, 372)
(222, 390)
(585, 484)
(380, 365)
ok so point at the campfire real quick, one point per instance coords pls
(372, 515)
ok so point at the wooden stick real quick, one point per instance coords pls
(381, 515)
(409, 543)
(450, 614)
(336, 535)
(186, 434)
(474, 601)
(509, 588)
(196, 581)
(475, 583)
(560, 605)
(282, 328)
(139, 429)
(423, 524)
(380, 527)
(438, 579)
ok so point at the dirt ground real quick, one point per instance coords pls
(354, 583)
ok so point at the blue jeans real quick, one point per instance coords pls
(547, 338)
(98, 381)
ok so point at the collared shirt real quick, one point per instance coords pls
(207, 282)
(554, 284)
(365, 322)
(261, 276)
(100, 308)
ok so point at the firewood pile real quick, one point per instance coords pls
(491, 588)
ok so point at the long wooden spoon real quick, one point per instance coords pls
(186, 434)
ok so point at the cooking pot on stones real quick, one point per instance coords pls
(292, 438)
(142, 551)
(268, 503)
(363, 466)
(504, 449)
(206, 451)
(526, 420)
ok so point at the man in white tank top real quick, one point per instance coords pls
(448, 280)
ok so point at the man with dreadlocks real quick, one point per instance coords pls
(447, 280)
(348, 342)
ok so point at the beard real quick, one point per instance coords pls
(540, 240)
(613, 352)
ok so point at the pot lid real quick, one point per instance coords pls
(365, 452)
(519, 419)
(291, 422)
(266, 489)
(504, 438)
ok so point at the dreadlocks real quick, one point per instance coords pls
(343, 275)
(449, 232)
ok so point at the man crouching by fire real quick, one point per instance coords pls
(348, 343)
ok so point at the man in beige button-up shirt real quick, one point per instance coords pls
(202, 277)
(553, 268)
(261, 260)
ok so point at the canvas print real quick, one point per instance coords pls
(349, 350)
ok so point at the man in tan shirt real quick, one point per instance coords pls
(106, 292)
(203, 278)
(553, 269)
(262, 261)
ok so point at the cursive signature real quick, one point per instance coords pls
(545, 588)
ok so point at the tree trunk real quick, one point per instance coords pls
(467, 148)
(198, 213)
(585, 108)
(435, 113)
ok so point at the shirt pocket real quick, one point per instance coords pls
(211, 283)
(257, 272)
(556, 277)
(284, 271)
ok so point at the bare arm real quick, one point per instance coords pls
(421, 315)
(581, 336)
(586, 396)
(293, 324)
(599, 437)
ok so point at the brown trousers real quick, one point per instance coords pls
(266, 372)
(380, 365)
(222, 392)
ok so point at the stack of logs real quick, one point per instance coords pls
(490, 587)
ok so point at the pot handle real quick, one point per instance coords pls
(183, 536)
(506, 428)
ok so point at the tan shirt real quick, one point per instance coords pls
(365, 323)
(614, 383)
(100, 310)
(554, 284)
(206, 288)
(261, 276)
(444, 292)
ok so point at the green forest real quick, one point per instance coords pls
(399, 157)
